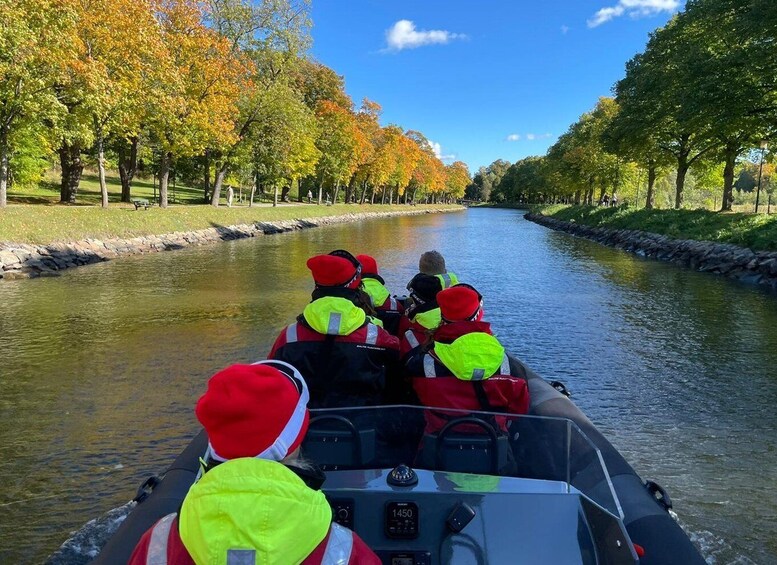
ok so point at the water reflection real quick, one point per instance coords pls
(100, 368)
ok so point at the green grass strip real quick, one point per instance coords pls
(757, 232)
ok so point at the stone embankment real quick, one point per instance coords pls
(756, 267)
(21, 261)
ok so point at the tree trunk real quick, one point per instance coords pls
(72, 167)
(364, 192)
(682, 171)
(100, 142)
(372, 196)
(275, 196)
(127, 168)
(4, 168)
(383, 196)
(337, 192)
(164, 176)
(221, 172)
(320, 192)
(650, 198)
(731, 152)
(206, 184)
(285, 193)
(577, 198)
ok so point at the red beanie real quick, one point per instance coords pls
(459, 303)
(330, 270)
(369, 265)
(254, 411)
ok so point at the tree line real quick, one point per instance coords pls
(221, 89)
(699, 99)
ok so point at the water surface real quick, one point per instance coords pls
(100, 368)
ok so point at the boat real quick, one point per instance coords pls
(546, 487)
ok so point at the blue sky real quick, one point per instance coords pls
(492, 69)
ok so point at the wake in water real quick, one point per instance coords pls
(86, 543)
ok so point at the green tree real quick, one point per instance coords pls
(37, 50)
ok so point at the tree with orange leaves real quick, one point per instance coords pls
(197, 106)
(457, 179)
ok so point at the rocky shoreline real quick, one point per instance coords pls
(23, 261)
(740, 263)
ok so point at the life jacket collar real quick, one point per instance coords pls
(472, 357)
(430, 319)
(375, 290)
(332, 315)
(251, 504)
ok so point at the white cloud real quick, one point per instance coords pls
(633, 9)
(404, 35)
(528, 136)
(564, 30)
(437, 148)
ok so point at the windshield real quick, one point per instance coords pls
(482, 443)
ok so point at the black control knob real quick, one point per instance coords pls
(402, 476)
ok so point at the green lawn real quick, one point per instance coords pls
(25, 223)
(758, 232)
(47, 192)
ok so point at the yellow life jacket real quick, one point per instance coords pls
(252, 505)
(376, 291)
(333, 315)
(472, 357)
(430, 319)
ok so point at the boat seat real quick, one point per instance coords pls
(486, 453)
(333, 442)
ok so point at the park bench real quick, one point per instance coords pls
(141, 202)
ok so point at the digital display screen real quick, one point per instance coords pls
(401, 523)
(402, 561)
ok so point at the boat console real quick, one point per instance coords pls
(486, 488)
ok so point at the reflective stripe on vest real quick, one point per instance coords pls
(291, 333)
(334, 323)
(372, 334)
(157, 547)
(339, 547)
(429, 370)
(505, 369)
(393, 303)
(411, 339)
(446, 280)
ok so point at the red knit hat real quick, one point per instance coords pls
(257, 410)
(459, 303)
(330, 270)
(369, 265)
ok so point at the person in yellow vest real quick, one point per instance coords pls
(346, 358)
(433, 263)
(254, 503)
(388, 309)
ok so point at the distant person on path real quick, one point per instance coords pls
(256, 501)
(614, 201)
(310, 196)
(230, 195)
(605, 201)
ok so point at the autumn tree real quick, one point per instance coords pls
(38, 45)
(197, 106)
(457, 179)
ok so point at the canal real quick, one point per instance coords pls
(100, 368)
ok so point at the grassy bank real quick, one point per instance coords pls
(758, 232)
(45, 224)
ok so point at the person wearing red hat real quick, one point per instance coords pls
(388, 309)
(466, 367)
(346, 359)
(254, 502)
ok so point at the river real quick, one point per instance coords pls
(100, 368)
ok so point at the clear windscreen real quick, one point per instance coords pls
(505, 445)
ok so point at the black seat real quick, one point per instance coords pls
(485, 453)
(333, 442)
